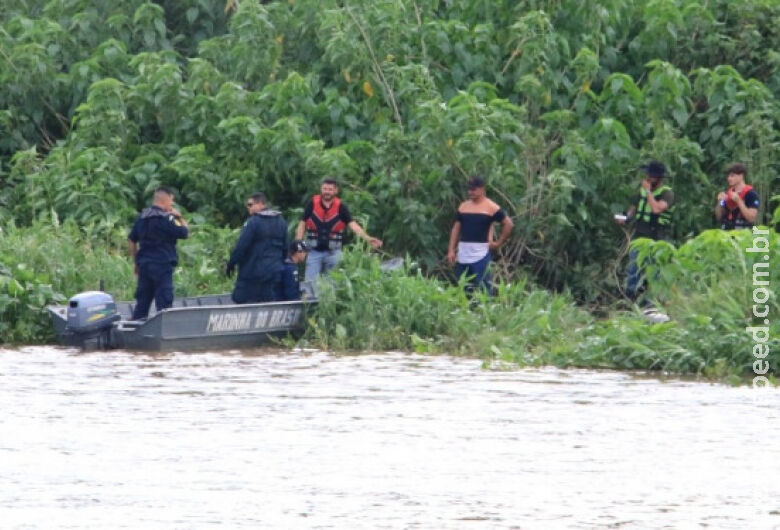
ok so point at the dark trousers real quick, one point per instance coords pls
(254, 291)
(636, 283)
(155, 282)
(478, 271)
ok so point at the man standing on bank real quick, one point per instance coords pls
(323, 223)
(259, 253)
(472, 233)
(737, 206)
(652, 209)
(152, 243)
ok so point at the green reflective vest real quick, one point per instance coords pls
(650, 224)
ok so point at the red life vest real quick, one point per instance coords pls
(734, 217)
(324, 228)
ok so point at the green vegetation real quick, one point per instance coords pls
(710, 302)
(555, 102)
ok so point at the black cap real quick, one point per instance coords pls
(654, 169)
(476, 182)
(298, 245)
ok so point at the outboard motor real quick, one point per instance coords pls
(90, 318)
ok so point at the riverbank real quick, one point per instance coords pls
(706, 287)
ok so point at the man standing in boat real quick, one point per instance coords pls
(737, 206)
(259, 253)
(652, 212)
(470, 237)
(323, 223)
(152, 243)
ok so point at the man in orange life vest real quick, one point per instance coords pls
(323, 223)
(738, 205)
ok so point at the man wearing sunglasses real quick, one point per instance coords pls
(259, 253)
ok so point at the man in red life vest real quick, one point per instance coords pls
(738, 205)
(323, 223)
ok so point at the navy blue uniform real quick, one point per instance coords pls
(287, 287)
(259, 255)
(155, 232)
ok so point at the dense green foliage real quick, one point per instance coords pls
(555, 102)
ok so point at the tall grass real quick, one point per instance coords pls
(365, 308)
(705, 286)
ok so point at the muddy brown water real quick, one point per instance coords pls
(275, 439)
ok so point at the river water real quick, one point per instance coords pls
(271, 439)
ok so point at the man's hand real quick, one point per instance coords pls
(228, 270)
(646, 185)
(734, 196)
(374, 242)
(451, 256)
(722, 196)
(135, 269)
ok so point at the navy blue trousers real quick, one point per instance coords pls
(254, 291)
(155, 282)
(478, 272)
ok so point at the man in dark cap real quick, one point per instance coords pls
(471, 235)
(259, 253)
(651, 212)
(152, 243)
(288, 286)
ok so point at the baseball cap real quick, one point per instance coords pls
(654, 169)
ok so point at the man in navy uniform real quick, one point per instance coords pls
(288, 286)
(152, 243)
(259, 253)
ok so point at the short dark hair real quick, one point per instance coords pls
(258, 197)
(738, 168)
(475, 182)
(329, 180)
(163, 189)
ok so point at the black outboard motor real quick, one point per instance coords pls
(90, 318)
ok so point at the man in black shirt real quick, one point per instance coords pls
(470, 237)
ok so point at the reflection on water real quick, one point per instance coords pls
(291, 440)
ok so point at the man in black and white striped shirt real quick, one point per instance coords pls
(470, 237)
